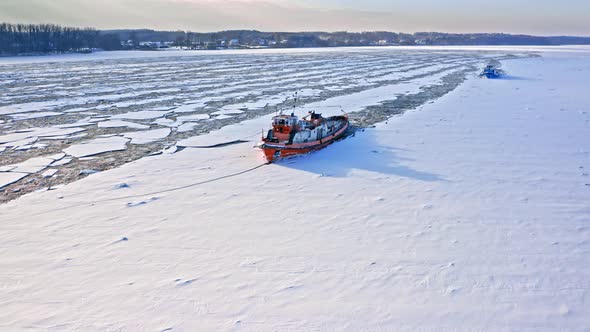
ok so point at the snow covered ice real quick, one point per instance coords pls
(468, 212)
(49, 104)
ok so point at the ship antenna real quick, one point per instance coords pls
(281, 109)
(342, 110)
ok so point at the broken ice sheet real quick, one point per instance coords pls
(185, 127)
(97, 146)
(8, 178)
(30, 135)
(33, 115)
(33, 165)
(147, 136)
(228, 112)
(49, 173)
(141, 115)
(61, 162)
(221, 117)
(119, 123)
(193, 117)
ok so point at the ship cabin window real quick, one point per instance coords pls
(285, 122)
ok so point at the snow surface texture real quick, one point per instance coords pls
(64, 102)
(469, 213)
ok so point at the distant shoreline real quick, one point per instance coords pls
(50, 39)
(279, 49)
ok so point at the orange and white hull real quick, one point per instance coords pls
(273, 151)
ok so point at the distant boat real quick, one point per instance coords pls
(291, 136)
(491, 71)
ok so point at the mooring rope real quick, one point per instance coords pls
(159, 192)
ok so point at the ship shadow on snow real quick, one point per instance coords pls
(515, 78)
(361, 152)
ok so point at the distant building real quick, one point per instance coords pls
(150, 44)
(234, 43)
(210, 46)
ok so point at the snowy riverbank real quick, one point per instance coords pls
(470, 213)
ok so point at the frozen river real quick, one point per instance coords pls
(64, 117)
(468, 212)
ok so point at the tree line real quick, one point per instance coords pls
(222, 39)
(52, 38)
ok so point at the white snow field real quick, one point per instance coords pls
(469, 213)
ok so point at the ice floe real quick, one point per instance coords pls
(80, 123)
(221, 117)
(49, 173)
(121, 124)
(61, 162)
(185, 127)
(193, 117)
(33, 115)
(187, 108)
(97, 146)
(141, 115)
(32, 165)
(228, 112)
(31, 135)
(147, 136)
(8, 178)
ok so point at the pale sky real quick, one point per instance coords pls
(538, 17)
